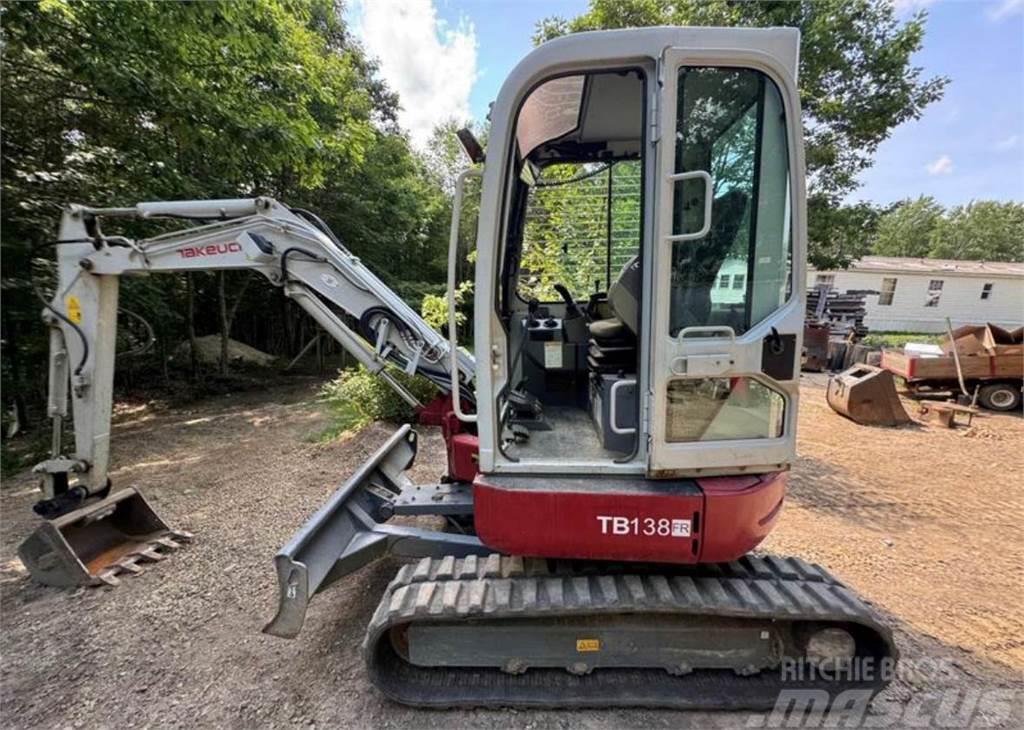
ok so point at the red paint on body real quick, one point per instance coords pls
(728, 517)
(739, 512)
(433, 414)
(464, 457)
(568, 524)
(463, 448)
(213, 249)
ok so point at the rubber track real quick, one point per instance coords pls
(499, 587)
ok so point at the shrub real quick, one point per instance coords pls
(356, 398)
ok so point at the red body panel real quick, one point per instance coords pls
(739, 512)
(463, 448)
(724, 518)
(569, 524)
(463, 457)
(434, 413)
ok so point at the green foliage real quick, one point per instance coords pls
(434, 309)
(984, 230)
(842, 233)
(109, 104)
(897, 340)
(908, 229)
(356, 398)
(856, 81)
(566, 236)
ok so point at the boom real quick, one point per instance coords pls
(293, 249)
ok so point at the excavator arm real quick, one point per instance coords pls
(293, 249)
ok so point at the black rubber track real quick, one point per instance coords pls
(501, 587)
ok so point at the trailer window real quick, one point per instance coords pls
(888, 292)
(934, 293)
(986, 291)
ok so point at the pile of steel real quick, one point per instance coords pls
(834, 322)
(842, 311)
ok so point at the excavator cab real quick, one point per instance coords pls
(644, 264)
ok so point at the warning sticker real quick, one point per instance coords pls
(553, 355)
(74, 309)
(584, 645)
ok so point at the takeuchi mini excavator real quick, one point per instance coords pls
(619, 441)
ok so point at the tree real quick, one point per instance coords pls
(909, 228)
(113, 103)
(843, 233)
(984, 230)
(856, 83)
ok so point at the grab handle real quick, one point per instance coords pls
(453, 257)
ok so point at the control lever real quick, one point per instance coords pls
(532, 307)
(572, 309)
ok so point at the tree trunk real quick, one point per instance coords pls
(193, 354)
(225, 323)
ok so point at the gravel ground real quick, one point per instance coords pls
(922, 521)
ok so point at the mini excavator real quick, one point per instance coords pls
(617, 445)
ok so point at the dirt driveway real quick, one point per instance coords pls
(923, 522)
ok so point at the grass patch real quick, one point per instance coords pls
(23, 451)
(897, 340)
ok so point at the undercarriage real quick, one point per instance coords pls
(467, 626)
(504, 631)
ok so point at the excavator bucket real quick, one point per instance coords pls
(867, 395)
(94, 544)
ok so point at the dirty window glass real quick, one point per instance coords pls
(723, 409)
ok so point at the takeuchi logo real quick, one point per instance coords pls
(213, 249)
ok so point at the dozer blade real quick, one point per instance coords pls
(867, 395)
(351, 531)
(94, 544)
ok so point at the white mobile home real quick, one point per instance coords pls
(916, 295)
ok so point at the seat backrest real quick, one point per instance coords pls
(624, 295)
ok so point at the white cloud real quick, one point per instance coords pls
(1009, 143)
(941, 166)
(431, 65)
(1005, 8)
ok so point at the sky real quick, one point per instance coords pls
(448, 58)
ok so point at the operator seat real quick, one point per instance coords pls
(613, 338)
(623, 301)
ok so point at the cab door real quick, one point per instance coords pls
(729, 252)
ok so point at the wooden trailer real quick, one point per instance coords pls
(998, 378)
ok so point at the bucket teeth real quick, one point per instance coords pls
(153, 551)
(108, 577)
(149, 554)
(170, 543)
(129, 566)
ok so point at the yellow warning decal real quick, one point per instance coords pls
(74, 309)
(583, 645)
